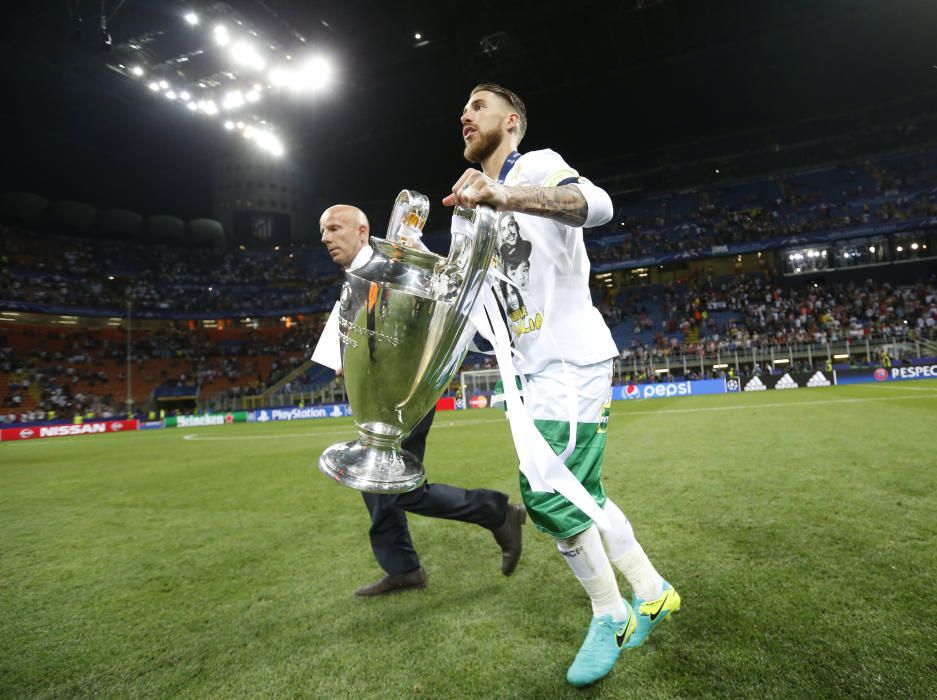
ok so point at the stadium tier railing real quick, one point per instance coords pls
(651, 363)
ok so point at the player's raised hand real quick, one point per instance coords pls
(474, 188)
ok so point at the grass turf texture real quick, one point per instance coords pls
(799, 527)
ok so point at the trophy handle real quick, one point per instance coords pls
(469, 255)
(408, 217)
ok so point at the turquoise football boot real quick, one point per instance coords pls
(650, 613)
(601, 648)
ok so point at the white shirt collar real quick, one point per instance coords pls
(361, 258)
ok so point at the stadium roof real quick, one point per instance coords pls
(601, 79)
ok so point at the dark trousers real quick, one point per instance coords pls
(390, 536)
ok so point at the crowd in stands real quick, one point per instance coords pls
(102, 273)
(49, 372)
(886, 189)
(740, 313)
(107, 274)
(57, 372)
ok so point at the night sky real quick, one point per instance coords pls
(601, 79)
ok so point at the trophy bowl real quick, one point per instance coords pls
(404, 331)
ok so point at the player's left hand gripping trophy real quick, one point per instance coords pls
(403, 318)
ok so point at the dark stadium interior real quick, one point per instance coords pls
(715, 409)
(773, 167)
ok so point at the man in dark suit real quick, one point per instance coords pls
(344, 232)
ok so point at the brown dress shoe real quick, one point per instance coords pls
(509, 536)
(398, 582)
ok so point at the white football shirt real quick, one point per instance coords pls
(549, 306)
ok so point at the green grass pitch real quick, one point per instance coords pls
(799, 527)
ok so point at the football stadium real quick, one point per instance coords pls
(646, 289)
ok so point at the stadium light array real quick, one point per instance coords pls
(304, 75)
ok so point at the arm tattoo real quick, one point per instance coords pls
(565, 204)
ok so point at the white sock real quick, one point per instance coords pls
(586, 557)
(628, 555)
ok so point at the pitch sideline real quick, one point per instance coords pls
(195, 437)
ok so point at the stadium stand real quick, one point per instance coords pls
(73, 371)
(837, 197)
(215, 325)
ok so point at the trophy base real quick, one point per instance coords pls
(372, 469)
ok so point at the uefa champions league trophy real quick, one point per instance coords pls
(403, 328)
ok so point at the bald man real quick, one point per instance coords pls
(345, 234)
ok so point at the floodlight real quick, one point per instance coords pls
(417, 36)
(191, 106)
(163, 84)
(222, 38)
(914, 246)
(185, 96)
(245, 54)
(170, 95)
(154, 86)
(252, 96)
(229, 125)
(280, 77)
(315, 74)
(191, 18)
(208, 107)
(240, 125)
(270, 143)
(899, 249)
(871, 248)
(136, 70)
(233, 100)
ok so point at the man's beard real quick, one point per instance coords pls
(484, 146)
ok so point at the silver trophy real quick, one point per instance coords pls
(404, 333)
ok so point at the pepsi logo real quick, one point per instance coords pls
(632, 392)
(880, 374)
(26, 433)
